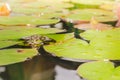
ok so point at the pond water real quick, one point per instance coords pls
(40, 68)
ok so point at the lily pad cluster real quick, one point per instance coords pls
(102, 45)
(21, 36)
(12, 48)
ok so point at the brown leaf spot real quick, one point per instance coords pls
(20, 50)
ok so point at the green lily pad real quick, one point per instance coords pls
(110, 6)
(91, 3)
(34, 11)
(24, 20)
(11, 33)
(87, 14)
(103, 45)
(96, 70)
(7, 43)
(60, 37)
(54, 15)
(94, 34)
(10, 56)
(72, 48)
(54, 3)
(38, 7)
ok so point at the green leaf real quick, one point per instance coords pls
(71, 48)
(7, 43)
(24, 20)
(99, 70)
(38, 7)
(91, 3)
(60, 37)
(87, 14)
(11, 33)
(94, 34)
(103, 45)
(10, 56)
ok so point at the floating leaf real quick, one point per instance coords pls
(103, 45)
(98, 26)
(72, 48)
(60, 37)
(18, 32)
(96, 70)
(54, 15)
(87, 14)
(94, 34)
(107, 6)
(24, 20)
(40, 7)
(91, 3)
(7, 43)
(10, 56)
(10, 35)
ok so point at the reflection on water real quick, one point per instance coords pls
(40, 68)
(65, 74)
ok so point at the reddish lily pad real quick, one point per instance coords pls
(87, 14)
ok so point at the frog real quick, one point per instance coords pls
(35, 41)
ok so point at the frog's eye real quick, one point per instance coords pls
(42, 38)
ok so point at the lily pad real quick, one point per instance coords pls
(24, 20)
(60, 37)
(38, 7)
(87, 14)
(18, 32)
(7, 43)
(34, 11)
(91, 3)
(103, 45)
(72, 48)
(10, 56)
(108, 6)
(89, 26)
(96, 70)
(11, 35)
(60, 14)
(94, 34)
(54, 3)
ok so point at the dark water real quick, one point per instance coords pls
(40, 68)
